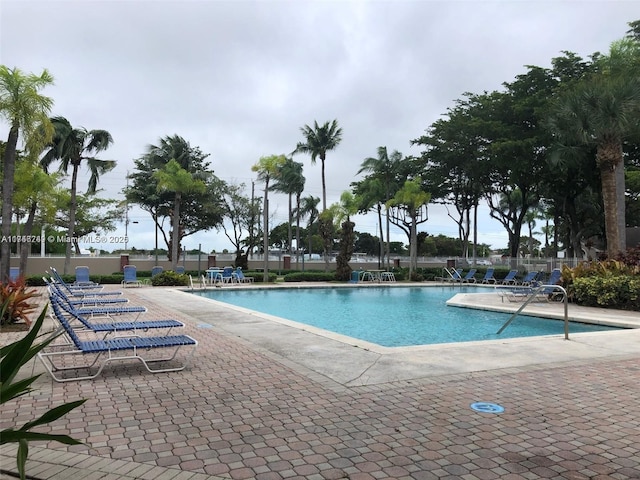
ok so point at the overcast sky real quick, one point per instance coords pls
(239, 78)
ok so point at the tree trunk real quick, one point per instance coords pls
(289, 227)
(413, 247)
(298, 231)
(324, 186)
(9, 169)
(72, 217)
(175, 235)
(25, 247)
(609, 159)
(265, 240)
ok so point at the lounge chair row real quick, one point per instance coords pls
(96, 328)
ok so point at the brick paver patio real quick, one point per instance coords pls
(239, 412)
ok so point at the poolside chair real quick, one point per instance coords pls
(156, 270)
(456, 275)
(469, 277)
(82, 277)
(59, 307)
(228, 275)
(488, 277)
(72, 287)
(14, 273)
(105, 351)
(529, 278)
(180, 269)
(64, 288)
(541, 291)
(241, 278)
(510, 278)
(130, 276)
(85, 301)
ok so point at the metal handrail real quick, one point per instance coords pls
(532, 297)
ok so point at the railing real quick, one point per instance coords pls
(532, 297)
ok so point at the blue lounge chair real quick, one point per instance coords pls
(82, 277)
(529, 278)
(469, 277)
(59, 308)
(86, 301)
(130, 276)
(73, 294)
(521, 293)
(488, 276)
(105, 351)
(241, 278)
(510, 279)
(180, 269)
(73, 287)
(156, 270)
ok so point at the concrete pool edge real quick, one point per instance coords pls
(356, 364)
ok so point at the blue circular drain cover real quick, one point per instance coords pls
(485, 407)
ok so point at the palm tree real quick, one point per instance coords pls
(174, 178)
(385, 168)
(291, 181)
(267, 168)
(601, 112)
(319, 140)
(27, 113)
(73, 147)
(309, 207)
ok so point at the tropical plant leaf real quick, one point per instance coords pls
(12, 390)
(18, 436)
(53, 414)
(23, 453)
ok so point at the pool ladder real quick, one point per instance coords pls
(535, 293)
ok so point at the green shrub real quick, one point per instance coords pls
(258, 276)
(310, 277)
(609, 291)
(170, 278)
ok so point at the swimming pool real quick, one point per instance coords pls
(392, 317)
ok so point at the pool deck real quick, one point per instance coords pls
(267, 399)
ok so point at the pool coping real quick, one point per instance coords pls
(351, 362)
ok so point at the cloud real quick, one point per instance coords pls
(239, 78)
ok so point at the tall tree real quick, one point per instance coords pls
(347, 207)
(601, 111)
(309, 208)
(290, 180)
(384, 168)
(318, 141)
(267, 168)
(26, 111)
(34, 192)
(74, 147)
(173, 178)
(240, 211)
(199, 210)
(409, 204)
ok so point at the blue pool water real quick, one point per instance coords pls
(392, 317)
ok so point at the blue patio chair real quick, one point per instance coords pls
(130, 276)
(14, 273)
(63, 288)
(180, 269)
(456, 275)
(72, 287)
(510, 278)
(488, 276)
(104, 351)
(59, 307)
(469, 277)
(82, 277)
(228, 275)
(241, 278)
(156, 270)
(529, 278)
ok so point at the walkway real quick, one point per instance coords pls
(267, 401)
